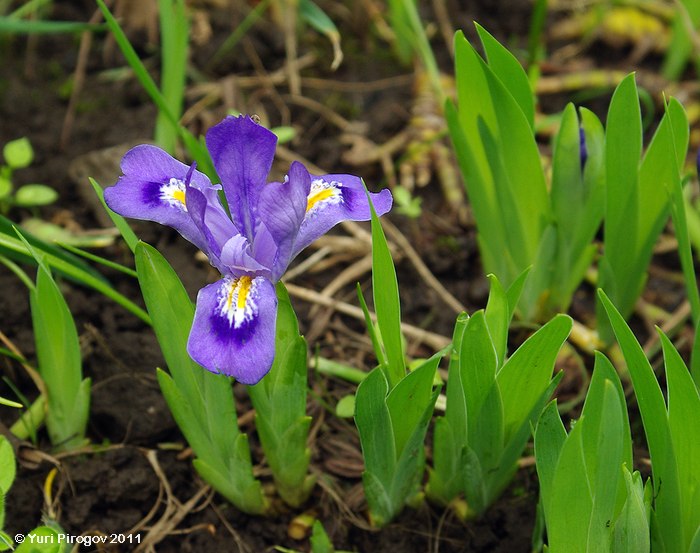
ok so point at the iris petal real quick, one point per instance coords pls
(236, 257)
(336, 198)
(282, 208)
(234, 327)
(242, 152)
(212, 221)
(153, 188)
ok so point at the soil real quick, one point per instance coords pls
(143, 474)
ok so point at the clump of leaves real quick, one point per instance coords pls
(19, 154)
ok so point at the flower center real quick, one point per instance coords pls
(173, 193)
(323, 193)
(237, 300)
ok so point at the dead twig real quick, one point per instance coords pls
(435, 341)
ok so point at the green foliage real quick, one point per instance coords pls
(392, 426)
(62, 263)
(201, 402)
(174, 33)
(8, 468)
(521, 222)
(385, 290)
(194, 146)
(58, 357)
(637, 205)
(59, 363)
(19, 154)
(491, 402)
(672, 430)
(279, 400)
(591, 501)
(317, 18)
(405, 203)
(686, 22)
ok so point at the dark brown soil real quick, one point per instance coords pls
(115, 489)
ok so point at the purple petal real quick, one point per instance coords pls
(242, 152)
(234, 328)
(211, 219)
(237, 258)
(336, 198)
(282, 208)
(153, 188)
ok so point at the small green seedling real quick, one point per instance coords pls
(492, 401)
(590, 498)
(19, 154)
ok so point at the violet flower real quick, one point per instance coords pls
(234, 323)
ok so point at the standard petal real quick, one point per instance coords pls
(236, 257)
(282, 209)
(242, 152)
(211, 219)
(234, 327)
(153, 188)
(336, 198)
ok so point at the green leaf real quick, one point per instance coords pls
(125, 230)
(550, 436)
(280, 406)
(623, 148)
(33, 27)
(508, 69)
(450, 433)
(31, 195)
(498, 317)
(605, 475)
(411, 461)
(656, 428)
(345, 408)
(174, 33)
(376, 432)
(408, 400)
(320, 542)
(201, 402)
(527, 373)
(196, 149)
(631, 528)
(385, 291)
(684, 425)
(18, 153)
(8, 466)
(318, 19)
(6, 542)
(571, 503)
(58, 353)
(603, 372)
(5, 187)
(568, 193)
(63, 263)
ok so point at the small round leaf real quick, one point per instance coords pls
(31, 195)
(5, 187)
(345, 408)
(18, 153)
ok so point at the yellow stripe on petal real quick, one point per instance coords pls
(179, 195)
(237, 300)
(323, 193)
(173, 193)
(244, 284)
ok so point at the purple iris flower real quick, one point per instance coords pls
(234, 323)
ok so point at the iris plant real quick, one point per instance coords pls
(269, 224)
